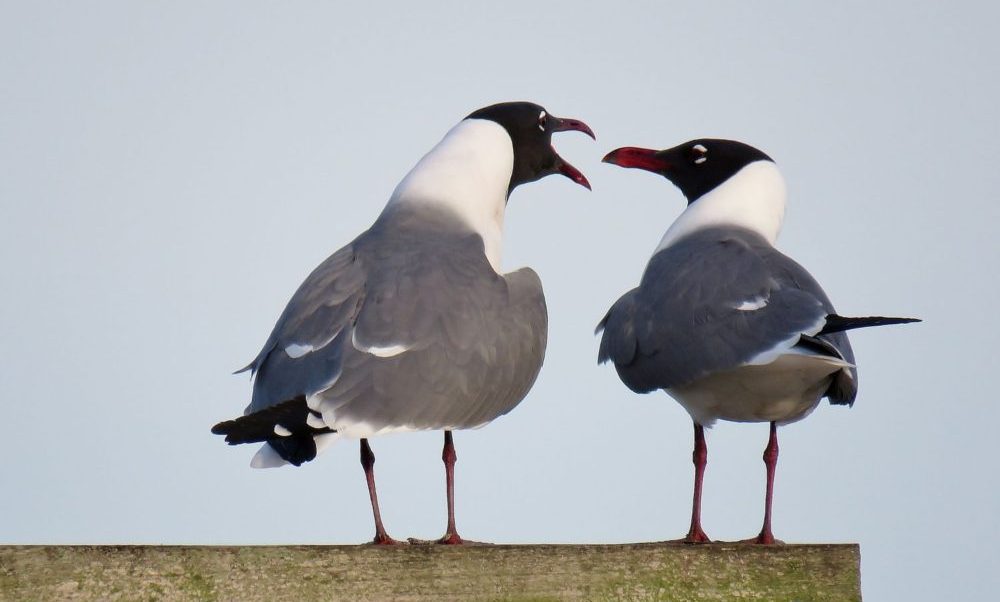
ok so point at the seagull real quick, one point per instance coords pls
(412, 326)
(722, 321)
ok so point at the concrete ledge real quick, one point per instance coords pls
(655, 571)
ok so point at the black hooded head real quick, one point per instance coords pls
(530, 128)
(696, 167)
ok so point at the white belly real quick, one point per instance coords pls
(786, 390)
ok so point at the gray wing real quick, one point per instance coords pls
(303, 353)
(715, 300)
(844, 388)
(441, 341)
(406, 329)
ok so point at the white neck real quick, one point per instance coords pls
(753, 198)
(468, 173)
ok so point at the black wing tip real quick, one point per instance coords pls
(837, 323)
(642, 389)
(260, 426)
(602, 324)
(841, 397)
(296, 450)
(888, 320)
(251, 367)
(842, 402)
(235, 433)
(603, 355)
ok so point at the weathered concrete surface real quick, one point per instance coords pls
(656, 571)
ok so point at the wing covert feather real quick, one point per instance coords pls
(712, 301)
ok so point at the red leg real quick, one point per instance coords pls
(449, 457)
(368, 463)
(700, 457)
(770, 461)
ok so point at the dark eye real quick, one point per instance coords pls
(541, 120)
(699, 154)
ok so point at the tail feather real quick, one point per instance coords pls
(283, 426)
(835, 323)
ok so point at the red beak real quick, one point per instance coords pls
(565, 125)
(572, 173)
(639, 158)
(558, 124)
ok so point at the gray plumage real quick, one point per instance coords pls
(412, 326)
(420, 281)
(722, 321)
(682, 322)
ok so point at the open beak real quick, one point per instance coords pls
(557, 124)
(571, 172)
(565, 125)
(639, 158)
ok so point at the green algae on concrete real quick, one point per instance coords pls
(536, 573)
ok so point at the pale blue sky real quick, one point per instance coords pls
(171, 172)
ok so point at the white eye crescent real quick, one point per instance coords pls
(703, 151)
(541, 121)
